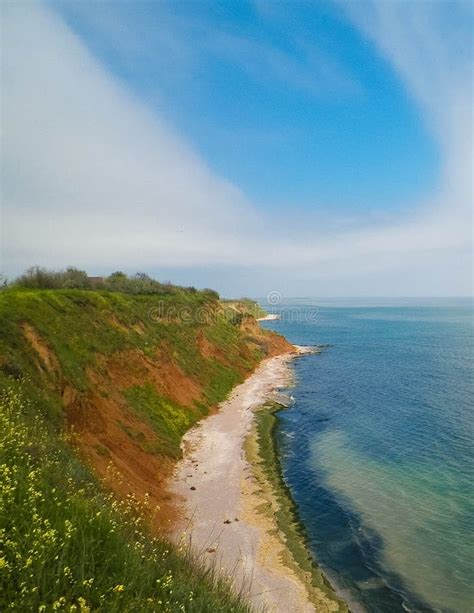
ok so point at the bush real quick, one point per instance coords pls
(75, 279)
(37, 277)
(211, 293)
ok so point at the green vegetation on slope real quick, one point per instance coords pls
(67, 546)
(164, 358)
(79, 327)
(169, 420)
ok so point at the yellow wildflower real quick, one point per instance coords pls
(60, 602)
(83, 604)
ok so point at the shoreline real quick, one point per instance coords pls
(269, 317)
(263, 456)
(229, 504)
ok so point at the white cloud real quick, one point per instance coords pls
(84, 161)
(92, 177)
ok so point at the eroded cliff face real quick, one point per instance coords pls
(128, 375)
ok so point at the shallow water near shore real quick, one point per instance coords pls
(377, 448)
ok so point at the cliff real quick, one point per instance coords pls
(128, 375)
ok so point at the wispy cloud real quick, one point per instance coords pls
(306, 69)
(89, 173)
(189, 40)
(430, 45)
(93, 177)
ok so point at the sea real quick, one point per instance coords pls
(377, 449)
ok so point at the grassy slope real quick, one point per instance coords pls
(79, 325)
(83, 330)
(66, 545)
(147, 368)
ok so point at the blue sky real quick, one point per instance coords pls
(319, 148)
(328, 121)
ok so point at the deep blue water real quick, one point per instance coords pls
(377, 449)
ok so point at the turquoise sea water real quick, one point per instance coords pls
(377, 449)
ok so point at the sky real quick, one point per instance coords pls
(308, 148)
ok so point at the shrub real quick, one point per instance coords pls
(37, 277)
(211, 293)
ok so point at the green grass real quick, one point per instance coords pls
(65, 545)
(169, 420)
(78, 324)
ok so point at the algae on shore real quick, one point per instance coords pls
(278, 510)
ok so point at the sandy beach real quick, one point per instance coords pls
(269, 317)
(221, 501)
